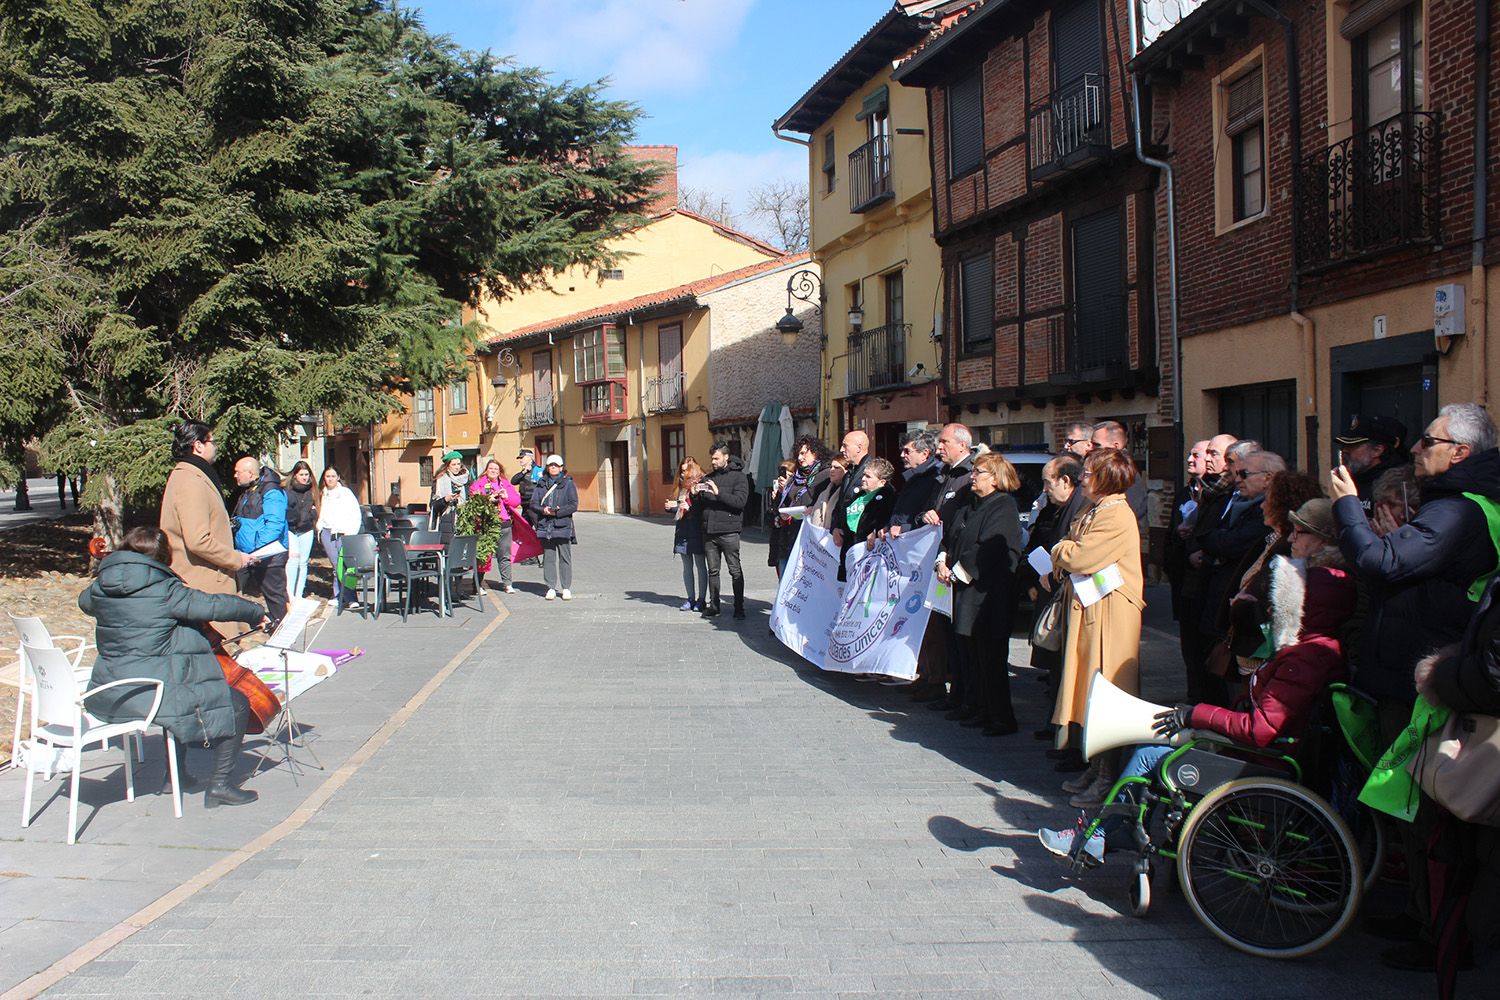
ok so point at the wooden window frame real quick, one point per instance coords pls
(670, 465)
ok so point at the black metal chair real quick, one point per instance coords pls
(405, 573)
(461, 562)
(424, 537)
(401, 532)
(360, 556)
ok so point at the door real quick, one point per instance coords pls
(1389, 392)
(619, 475)
(1395, 377)
(669, 351)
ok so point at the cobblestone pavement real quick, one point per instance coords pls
(613, 798)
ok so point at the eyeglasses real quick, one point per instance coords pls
(1428, 441)
(1070, 442)
(1242, 474)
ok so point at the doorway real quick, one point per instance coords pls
(619, 476)
(1395, 377)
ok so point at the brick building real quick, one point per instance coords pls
(1325, 181)
(1047, 226)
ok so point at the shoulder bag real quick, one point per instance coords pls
(1458, 765)
(1050, 625)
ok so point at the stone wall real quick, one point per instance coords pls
(748, 366)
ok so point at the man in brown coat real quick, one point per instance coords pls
(196, 522)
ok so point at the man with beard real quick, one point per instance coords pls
(1370, 446)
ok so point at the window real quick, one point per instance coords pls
(1100, 345)
(544, 447)
(1388, 66)
(458, 397)
(966, 123)
(423, 420)
(670, 392)
(830, 169)
(895, 307)
(424, 471)
(612, 274)
(673, 452)
(976, 289)
(1244, 124)
(541, 374)
(599, 354)
(1265, 412)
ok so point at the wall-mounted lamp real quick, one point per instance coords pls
(802, 285)
(856, 318)
(505, 358)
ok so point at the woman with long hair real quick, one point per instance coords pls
(338, 515)
(301, 519)
(687, 535)
(507, 498)
(783, 527)
(820, 508)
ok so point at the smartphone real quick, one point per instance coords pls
(1343, 459)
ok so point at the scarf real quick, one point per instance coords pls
(1215, 486)
(208, 470)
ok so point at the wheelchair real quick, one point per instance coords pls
(1266, 864)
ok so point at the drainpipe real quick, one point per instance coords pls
(640, 363)
(1310, 378)
(1166, 169)
(1479, 297)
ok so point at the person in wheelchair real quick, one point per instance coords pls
(1312, 596)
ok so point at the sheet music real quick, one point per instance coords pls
(290, 630)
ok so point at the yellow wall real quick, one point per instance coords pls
(667, 252)
(1271, 350)
(858, 249)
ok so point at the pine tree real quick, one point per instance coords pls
(244, 210)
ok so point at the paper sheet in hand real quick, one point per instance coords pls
(793, 512)
(268, 550)
(962, 575)
(1040, 560)
(1091, 588)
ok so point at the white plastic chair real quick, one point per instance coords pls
(33, 632)
(63, 724)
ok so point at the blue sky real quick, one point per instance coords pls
(711, 75)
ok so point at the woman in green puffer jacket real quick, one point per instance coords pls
(148, 624)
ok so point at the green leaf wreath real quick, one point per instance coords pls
(477, 516)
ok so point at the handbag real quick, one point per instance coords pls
(1047, 633)
(1220, 660)
(1458, 766)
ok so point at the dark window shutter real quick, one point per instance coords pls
(1099, 291)
(976, 285)
(1077, 45)
(1245, 105)
(966, 124)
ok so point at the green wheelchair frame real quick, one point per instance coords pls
(1267, 865)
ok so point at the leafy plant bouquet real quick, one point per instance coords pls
(477, 516)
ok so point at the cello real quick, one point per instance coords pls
(263, 701)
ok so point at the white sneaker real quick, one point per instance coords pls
(550, 595)
(685, 606)
(509, 589)
(567, 595)
(1060, 842)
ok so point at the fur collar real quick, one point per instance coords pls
(1288, 595)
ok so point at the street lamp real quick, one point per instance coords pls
(506, 359)
(802, 285)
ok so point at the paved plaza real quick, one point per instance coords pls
(614, 798)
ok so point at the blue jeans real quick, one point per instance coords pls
(1142, 764)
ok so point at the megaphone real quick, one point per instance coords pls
(1113, 718)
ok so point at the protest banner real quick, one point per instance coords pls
(884, 610)
(807, 599)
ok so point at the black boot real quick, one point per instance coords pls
(739, 597)
(221, 792)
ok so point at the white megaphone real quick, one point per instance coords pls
(1113, 718)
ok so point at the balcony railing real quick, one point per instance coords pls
(877, 357)
(604, 400)
(1373, 192)
(538, 411)
(1089, 342)
(1069, 129)
(419, 427)
(870, 174)
(667, 394)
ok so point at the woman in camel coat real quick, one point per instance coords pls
(1106, 636)
(196, 522)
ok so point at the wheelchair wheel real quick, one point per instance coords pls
(1140, 893)
(1269, 868)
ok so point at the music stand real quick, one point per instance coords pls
(290, 636)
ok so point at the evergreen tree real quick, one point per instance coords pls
(244, 210)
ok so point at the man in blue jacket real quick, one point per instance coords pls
(1420, 578)
(259, 520)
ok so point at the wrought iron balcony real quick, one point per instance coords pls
(538, 411)
(667, 394)
(419, 427)
(870, 174)
(1090, 342)
(1069, 129)
(1374, 192)
(877, 357)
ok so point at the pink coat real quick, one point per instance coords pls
(507, 498)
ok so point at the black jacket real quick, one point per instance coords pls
(561, 494)
(301, 512)
(1241, 530)
(948, 495)
(1364, 481)
(848, 489)
(687, 531)
(984, 537)
(1419, 575)
(915, 498)
(1470, 680)
(872, 518)
(724, 512)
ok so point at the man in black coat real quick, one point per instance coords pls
(948, 494)
(919, 479)
(855, 450)
(1419, 577)
(722, 495)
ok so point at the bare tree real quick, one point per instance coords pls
(780, 209)
(709, 204)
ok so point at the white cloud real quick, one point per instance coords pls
(733, 173)
(644, 46)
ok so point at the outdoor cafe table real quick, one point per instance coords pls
(441, 551)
